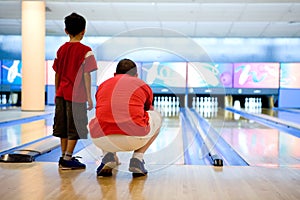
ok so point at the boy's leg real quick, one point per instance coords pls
(155, 123)
(71, 145)
(70, 149)
(68, 161)
(60, 124)
(76, 118)
(63, 145)
(144, 148)
(136, 165)
(67, 148)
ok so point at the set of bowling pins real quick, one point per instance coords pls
(13, 98)
(206, 106)
(166, 105)
(253, 105)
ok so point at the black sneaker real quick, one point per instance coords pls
(70, 164)
(137, 167)
(107, 164)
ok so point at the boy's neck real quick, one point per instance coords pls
(76, 38)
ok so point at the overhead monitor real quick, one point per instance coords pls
(289, 75)
(11, 72)
(256, 75)
(165, 76)
(209, 75)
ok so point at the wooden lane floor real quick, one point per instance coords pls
(258, 144)
(14, 114)
(16, 135)
(19, 128)
(43, 180)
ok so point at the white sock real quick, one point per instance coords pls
(139, 156)
(68, 156)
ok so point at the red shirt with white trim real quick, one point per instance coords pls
(73, 59)
(121, 105)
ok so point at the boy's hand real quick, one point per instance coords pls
(90, 104)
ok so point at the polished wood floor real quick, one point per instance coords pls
(45, 181)
(274, 172)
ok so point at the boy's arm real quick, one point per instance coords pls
(87, 83)
(57, 79)
(149, 100)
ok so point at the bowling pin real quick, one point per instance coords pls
(4, 99)
(237, 104)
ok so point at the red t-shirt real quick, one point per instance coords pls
(122, 102)
(73, 59)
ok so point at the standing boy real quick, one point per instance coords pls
(125, 119)
(73, 63)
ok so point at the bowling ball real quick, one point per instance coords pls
(226, 78)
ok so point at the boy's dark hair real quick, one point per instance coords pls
(74, 24)
(126, 66)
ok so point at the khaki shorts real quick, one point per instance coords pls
(115, 143)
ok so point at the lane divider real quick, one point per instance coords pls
(218, 144)
(283, 125)
(216, 160)
(195, 151)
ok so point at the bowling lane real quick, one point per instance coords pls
(10, 114)
(19, 128)
(20, 134)
(259, 145)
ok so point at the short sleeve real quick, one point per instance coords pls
(90, 63)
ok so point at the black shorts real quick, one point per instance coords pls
(70, 120)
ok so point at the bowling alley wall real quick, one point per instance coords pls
(267, 68)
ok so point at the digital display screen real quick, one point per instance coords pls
(165, 74)
(210, 74)
(256, 75)
(289, 75)
(11, 72)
